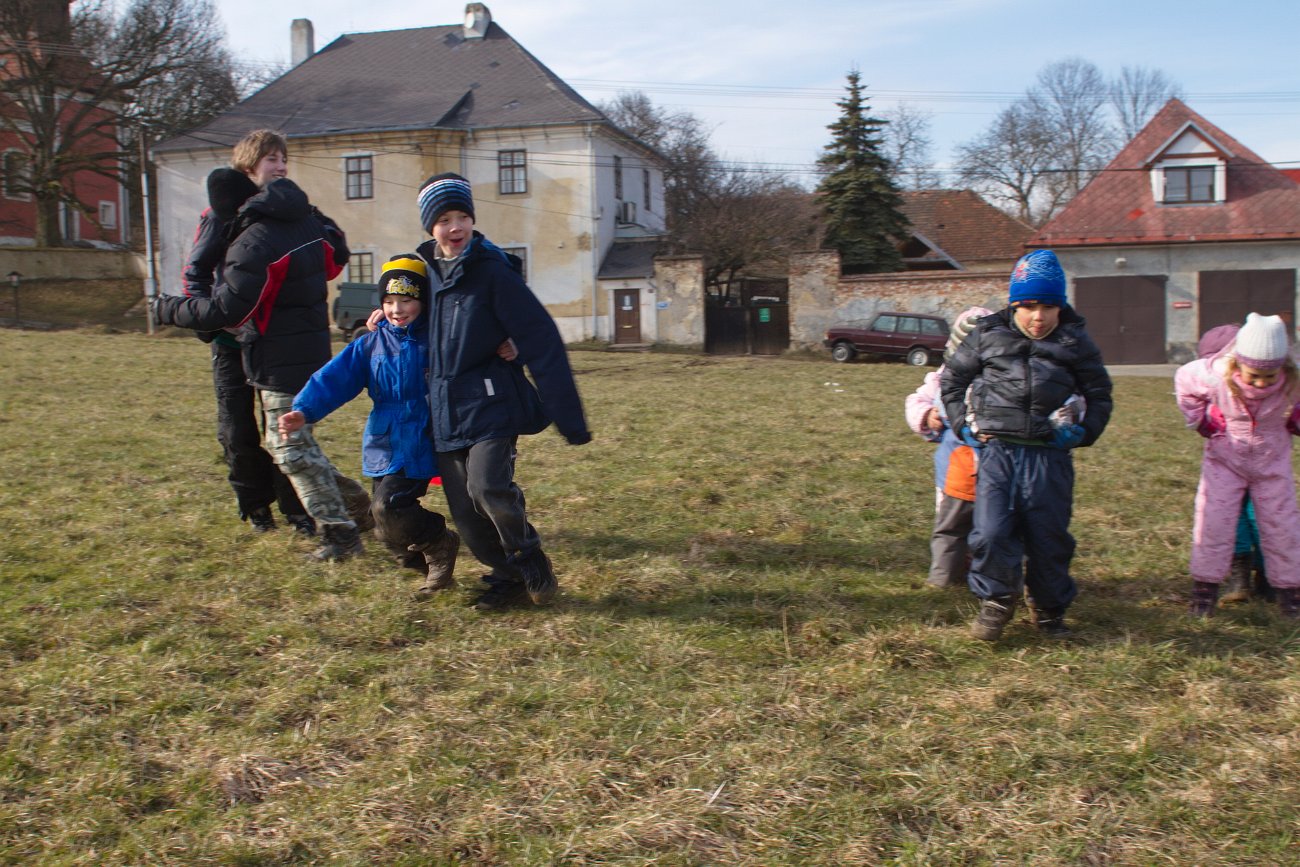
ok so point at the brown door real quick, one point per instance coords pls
(1227, 296)
(627, 316)
(1126, 317)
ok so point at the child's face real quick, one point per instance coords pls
(273, 165)
(453, 230)
(1256, 378)
(1037, 320)
(401, 310)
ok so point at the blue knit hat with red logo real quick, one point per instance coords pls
(1038, 277)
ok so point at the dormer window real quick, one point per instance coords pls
(1189, 184)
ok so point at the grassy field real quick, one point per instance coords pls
(744, 666)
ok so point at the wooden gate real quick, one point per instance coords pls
(1126, 317)
(755, 320)
(1227, 296)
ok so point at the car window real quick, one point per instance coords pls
(885, 323)
(908, 325)
(932, 326)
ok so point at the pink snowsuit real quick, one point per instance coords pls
(1253, 455)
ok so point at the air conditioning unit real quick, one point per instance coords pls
(627, 212)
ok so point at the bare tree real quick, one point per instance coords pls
(1071, 98)
(909, 148)
(1011, 163)
(1137, 94)
(74, 85)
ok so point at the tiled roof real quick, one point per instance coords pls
(964, 226)
(403, 79)
(630, 259)
(1118, 206)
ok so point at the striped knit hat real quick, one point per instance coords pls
(404, 274)
(445, 192)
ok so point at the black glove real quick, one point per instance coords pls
(580, 438)
(164, 309)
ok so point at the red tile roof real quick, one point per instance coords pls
(964, 226)
(1118, 207)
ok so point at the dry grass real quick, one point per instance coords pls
(744, 666)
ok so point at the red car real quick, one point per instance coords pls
(916, 337)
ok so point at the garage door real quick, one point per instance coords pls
(1227, 296)
(1126, 317)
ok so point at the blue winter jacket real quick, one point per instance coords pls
(474, 395)
(390, 363)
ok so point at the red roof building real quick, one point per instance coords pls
(1187, 228)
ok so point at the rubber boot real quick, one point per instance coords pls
(1205, 598)
(1238, 585)
(340, 543)
(995, 613)
(1288, 602)
(440, 560)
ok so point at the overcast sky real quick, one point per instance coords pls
(765, 76)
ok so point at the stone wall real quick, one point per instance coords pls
(679, 304)
(821, 297)
(70, 263)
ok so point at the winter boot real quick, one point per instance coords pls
(1051, 622)
(1205, 598)
(1263, 590)
(535, 569)
(500, 595)
(1237, 587)
(995, 613)
(440, 558)
(1288, 602)
(262, 520)
(357, 501)
(303, 525)
(340, 543)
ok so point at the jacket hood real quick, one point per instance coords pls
(281, 199)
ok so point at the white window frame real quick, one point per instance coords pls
(4, 169)
(512, 172)
(1159, 187)
(107, 214)
(355, 273)
(368, 177)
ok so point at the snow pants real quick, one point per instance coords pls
(1023, 503)
(1219, 500)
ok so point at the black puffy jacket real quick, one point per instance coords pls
(282, 253)
(1017, 382)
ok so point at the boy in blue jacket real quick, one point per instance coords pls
(390, 362)
(481, 403)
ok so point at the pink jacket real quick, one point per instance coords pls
(1247, 451)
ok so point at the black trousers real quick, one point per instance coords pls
(256, 479)
(487, 506)
(400, 520)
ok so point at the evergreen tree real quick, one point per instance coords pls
(864, 220)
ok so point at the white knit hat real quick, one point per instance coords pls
(1261, 342)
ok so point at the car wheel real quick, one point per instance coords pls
(349, 333)
(843, 352)
(918, 357)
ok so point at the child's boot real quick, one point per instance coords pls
(440, 560)
(1288, 602)
(1263, 590)
(1237, 587)
(340, 543)
(535, 570)
(1051, 622)
(995, 613)
(1205, 598)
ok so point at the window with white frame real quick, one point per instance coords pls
(107, 215)
(1189, 184)
(512, 172)
(359, 174)
(69, 222)
(17, 175)
(522, 253)
(361, 268)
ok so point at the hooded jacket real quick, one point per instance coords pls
(282, 252)
(1018, 382)
(474, 395)
(390, 364)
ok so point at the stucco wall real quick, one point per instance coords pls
(820, 297)
(1180, 264)
(69, 263)
(679, 300)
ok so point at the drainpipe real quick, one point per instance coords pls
(151, 280)
(595, 232)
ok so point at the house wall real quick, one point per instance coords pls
(821, 297)
(1180, 264)
(679, 301)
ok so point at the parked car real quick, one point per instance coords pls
(916, 337)
(353, 305)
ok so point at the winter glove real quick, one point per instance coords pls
(1213, 423)
(581, 438)
(969, 438)
(1293, 423)
(1067, 436)
(164, 308)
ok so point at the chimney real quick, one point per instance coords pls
(302, 40)
(477, 19)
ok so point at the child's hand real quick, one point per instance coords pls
(291, 421)
(932, 421)
(1067, 436)
(372, 322)
(507, 350)
(1213, 424)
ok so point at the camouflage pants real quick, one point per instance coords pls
(328, 496)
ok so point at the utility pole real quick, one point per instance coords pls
(150, 280)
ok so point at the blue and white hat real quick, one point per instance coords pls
(1038, 277)
(441, 193)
